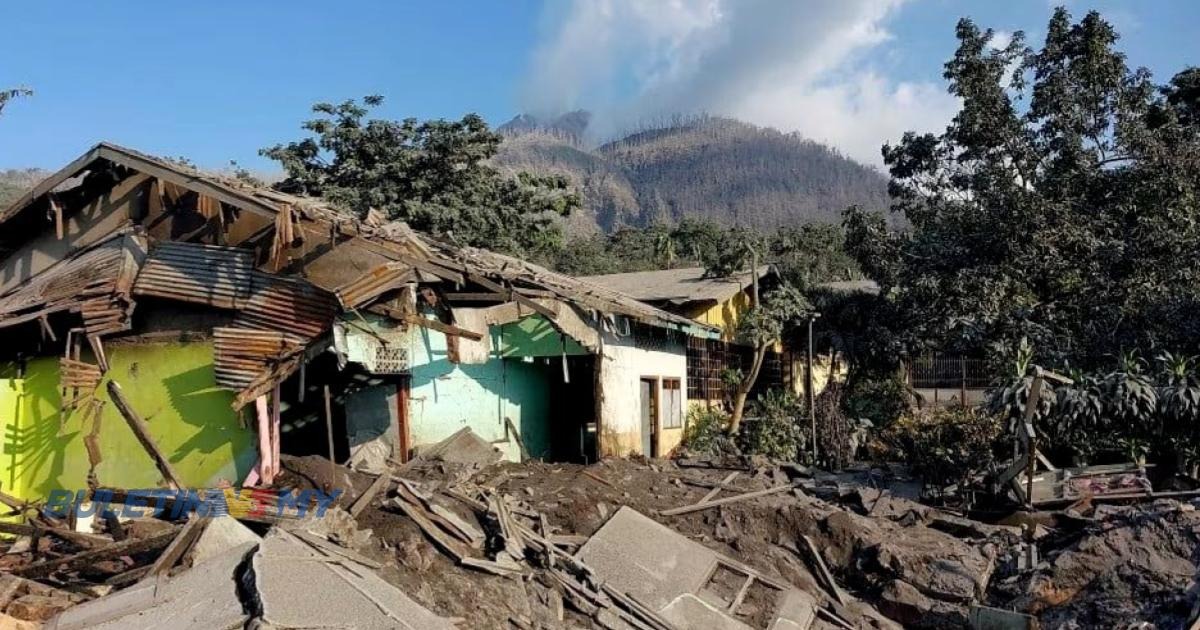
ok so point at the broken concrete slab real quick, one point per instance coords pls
(204, 597)
(351, 595)
(642, 557)
(671, 575)
(463, 447)
(221, 533)
(689, 611)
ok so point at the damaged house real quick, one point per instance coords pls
(162, 325)
(712, 302)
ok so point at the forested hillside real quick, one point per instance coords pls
(14, 182)
(701, 167)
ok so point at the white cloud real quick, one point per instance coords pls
(799, 65)
(1000, 40)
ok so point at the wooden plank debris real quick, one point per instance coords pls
(187, 537)
(733, 499)
(365, 499)
(448, 545)
(712, 494)
(593, 476)
(823, 572)
(84, 558)
(81, 539)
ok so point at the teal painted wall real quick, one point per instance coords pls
(171, 385)
(446, 397)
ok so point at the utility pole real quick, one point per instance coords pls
(808, 385)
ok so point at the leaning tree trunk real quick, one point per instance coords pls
(743, 390)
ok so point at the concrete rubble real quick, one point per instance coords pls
(624, 544)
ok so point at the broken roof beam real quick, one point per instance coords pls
(425, 322)
(54, 181)
(516, 297)
(195, 183)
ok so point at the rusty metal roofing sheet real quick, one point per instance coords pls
(61, 287)
(373, 284)
(196, 273)
(287, 305)
(242, 354)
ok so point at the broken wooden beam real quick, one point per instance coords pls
(438, 325)
(516, 297)
(733, 499)
(142, 432)
(448, 545)
(187, 536)
(365, 499)
(87, 541)
(84, 558)
(712, 494)
(823, 572)
(593, 476)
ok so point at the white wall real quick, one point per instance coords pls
(625, 363)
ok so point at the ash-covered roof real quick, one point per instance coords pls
(677, 285)
(407, 244)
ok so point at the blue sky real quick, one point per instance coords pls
(215, 81)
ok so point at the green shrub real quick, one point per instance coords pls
(705, 432)
(880, 399)
(772, 426)
(943, 446)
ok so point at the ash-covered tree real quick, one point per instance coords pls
(1061, 204)
(8, 95)
(763, 326)
(433, 174)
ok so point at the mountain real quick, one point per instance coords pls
(717, 168)
(14, 183)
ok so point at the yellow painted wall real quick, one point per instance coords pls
(171, 385)
(725, 315)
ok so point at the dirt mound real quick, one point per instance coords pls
(1132, 564)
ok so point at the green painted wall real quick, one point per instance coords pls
(171, 385)
(533, 337)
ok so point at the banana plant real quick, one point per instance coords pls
(1132, 398)
(1079, 414)
(1179, 395)
(1010, 399)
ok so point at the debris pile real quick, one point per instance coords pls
(624, 544)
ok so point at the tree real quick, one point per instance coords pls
(9, 95)
(1072, 220)
(434, 174)
(763, 326)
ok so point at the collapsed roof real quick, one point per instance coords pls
(678, 286)
(285, 264)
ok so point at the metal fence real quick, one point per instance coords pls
(948, 371)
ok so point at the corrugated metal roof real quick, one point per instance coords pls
(677, 285)
(287, 305)
(62, 286)
(241, 354)
(373, 284)
(196, 273)
(403, 243)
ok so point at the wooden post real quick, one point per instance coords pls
(142, 432)
(1031, 405)
(811, 393)
(962, 363)
(329, 433)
